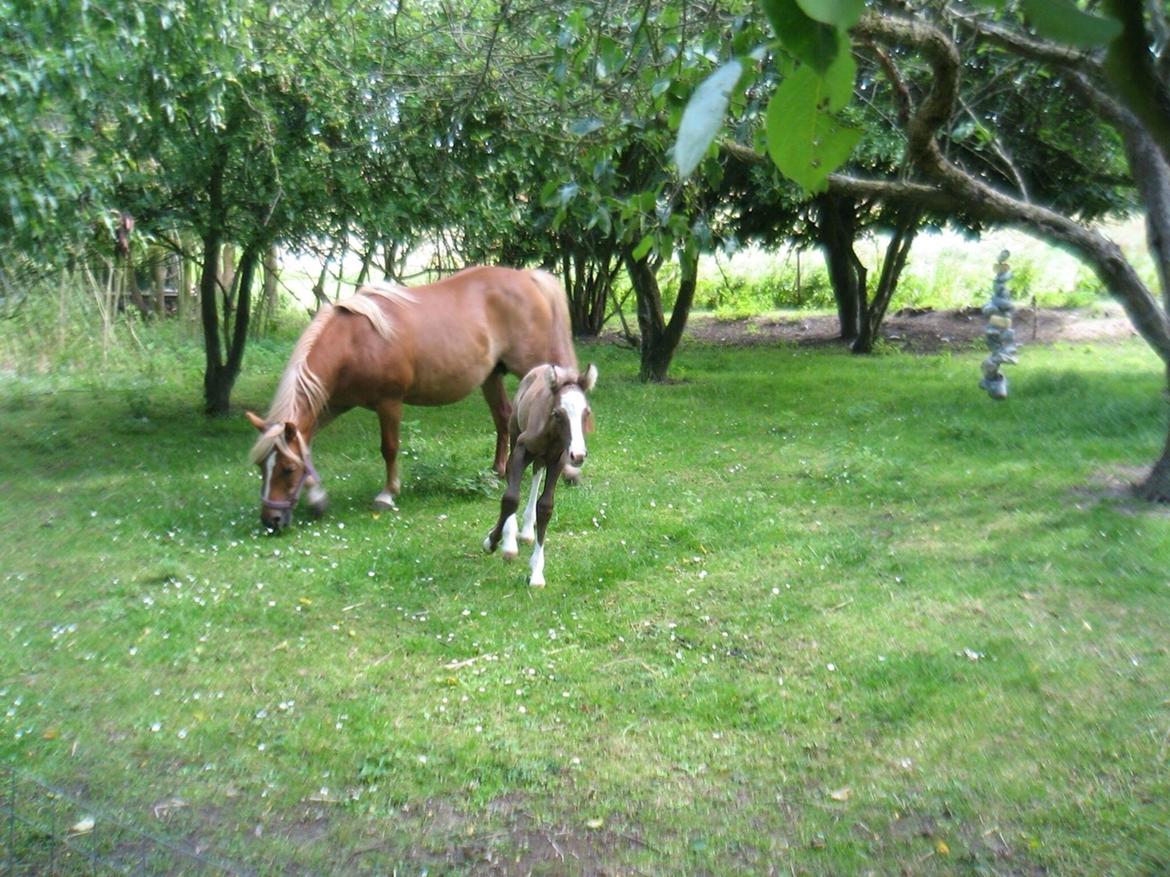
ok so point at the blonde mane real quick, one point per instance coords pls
(300, 392)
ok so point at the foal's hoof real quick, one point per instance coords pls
(528, 537)
(384, 502)
(536, 581)
(318, 509)
(571, 475)
(509, 554)
(487, 545)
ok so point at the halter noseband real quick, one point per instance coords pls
(283, 505)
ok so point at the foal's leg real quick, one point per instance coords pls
(496, 395)
(528, 526)
(390, 418)
(505, 528)
(544, 510)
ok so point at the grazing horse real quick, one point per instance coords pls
(547, 429)
(390, 345)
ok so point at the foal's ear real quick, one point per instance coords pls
(589, 379)
(256, 421)
(552, 378)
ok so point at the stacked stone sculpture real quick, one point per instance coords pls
(1001, 337)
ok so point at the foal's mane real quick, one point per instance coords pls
(300, 392)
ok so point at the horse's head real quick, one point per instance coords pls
(282, 453)
(571, 415)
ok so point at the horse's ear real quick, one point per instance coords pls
(551, 377)
(290, 431)
(589, 379)
(256, 421)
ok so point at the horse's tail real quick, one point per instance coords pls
(562, 352)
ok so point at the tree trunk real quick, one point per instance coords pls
(897, 252)
(1156, 486)
(159, 268)
(216, 387)
(837, 230)
(659, 338)
(588, 273)
(222, 372)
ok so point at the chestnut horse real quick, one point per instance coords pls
(391, 345)
(547, 429)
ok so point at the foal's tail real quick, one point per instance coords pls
(561, 350)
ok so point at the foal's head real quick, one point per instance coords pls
(282, 454)
(571, 416)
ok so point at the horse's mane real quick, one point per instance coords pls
(300, 391)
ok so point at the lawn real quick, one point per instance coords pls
(809, 613)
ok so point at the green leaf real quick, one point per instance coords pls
(643, 248)
(1061, 20)
(810, 41)
(703, 116)
(805, 141)
(841, 14)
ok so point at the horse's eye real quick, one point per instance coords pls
(288, 468)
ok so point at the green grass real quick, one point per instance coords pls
(809, 613)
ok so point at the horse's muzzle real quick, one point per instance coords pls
(275, 520)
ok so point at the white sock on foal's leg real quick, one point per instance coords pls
(508, 546)
(528, 530)
(536, 578)
(385, 501)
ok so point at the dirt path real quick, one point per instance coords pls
(922, 331)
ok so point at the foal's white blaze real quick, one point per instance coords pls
(573, 401)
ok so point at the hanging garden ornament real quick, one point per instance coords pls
(1001, 337)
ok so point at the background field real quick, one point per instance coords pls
(809, 613)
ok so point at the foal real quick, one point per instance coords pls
(547, 428)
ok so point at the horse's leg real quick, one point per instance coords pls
(390, 417)
(496, 395)
(544, 510)
(528, 526)
(505, 528)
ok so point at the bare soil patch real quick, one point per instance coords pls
(921, 331)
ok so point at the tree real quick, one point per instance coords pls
(237, 124)
(1113, 66)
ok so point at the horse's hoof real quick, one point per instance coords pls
(487, 545)
(571, 475)
(510, 553)
(528, 538)
(318, 509)
(536, 582)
